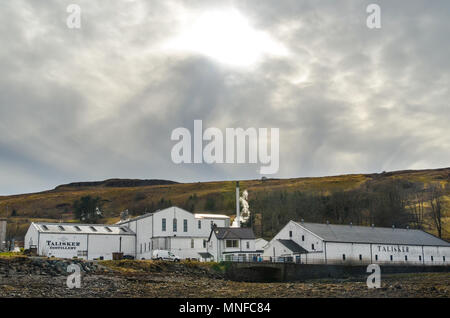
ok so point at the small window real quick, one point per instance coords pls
(204, 243)
(303, 238)
(45, 227)
(392, 258)
(343, 257)
(141, 248)
(420, 258)
(248, 245)
(199, 224)
(77, 228)
(145, 247)
(192, 243)
(124, 229)
(185, 225)
(290, 233)
(174, 225)
(93, 229)
(108, 229)
(61, 227)
(360, 257)
(376, 257)
(406, 257)
(312, 246)
(443, 258)
(232, 243)
(432, 259)
(163, 224)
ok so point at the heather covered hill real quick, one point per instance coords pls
(402, 198)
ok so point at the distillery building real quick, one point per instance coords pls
(302, 242)
(173, 229)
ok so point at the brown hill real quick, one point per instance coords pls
(140, 196)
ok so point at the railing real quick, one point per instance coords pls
(305, 260)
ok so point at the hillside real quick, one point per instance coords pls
(140, 196)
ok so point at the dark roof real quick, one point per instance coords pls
(293, 247)
(234, 233)
(367, 234)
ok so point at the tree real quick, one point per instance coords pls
(435, 200)
(87, 209)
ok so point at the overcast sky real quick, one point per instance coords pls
(101, 101)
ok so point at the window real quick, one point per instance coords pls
(45, 227)
(406, 257)
(343, 257)
(174, 225)
(392, 258)
(432, 259)
(141, 248)
(163, 224)
(290, 233)
(61, 227)
(360, 257)
(185, 225)
(204, 243)
(108, 229)
(312, 246)
(231, 243)
(93, 229)
(77, 228)
(199, 224)
(420, 258)
(248, 245)
(145, 247)
(443, 258)
(376, 257)
(303, 238)
(192, 243)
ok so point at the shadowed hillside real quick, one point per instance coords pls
(401, 198)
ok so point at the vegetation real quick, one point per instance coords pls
(419, 199)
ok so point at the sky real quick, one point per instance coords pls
(101, 101)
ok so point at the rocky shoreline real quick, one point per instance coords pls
(41, 277)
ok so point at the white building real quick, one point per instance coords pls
(86, 241)
(232, 244)
(174, 229)
(348, 244)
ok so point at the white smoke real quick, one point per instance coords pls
(245, 211)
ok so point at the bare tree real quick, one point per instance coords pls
(435, 200)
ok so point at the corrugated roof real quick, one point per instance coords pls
(292, 246)
(75, 228)
(234, 233)
(367, 234)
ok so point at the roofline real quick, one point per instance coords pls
(372, 227)
(405, 244)
(84, 233)
(76, 224)
(307, 230)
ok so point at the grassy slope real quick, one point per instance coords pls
(56, 204)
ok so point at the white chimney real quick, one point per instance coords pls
(238, 208)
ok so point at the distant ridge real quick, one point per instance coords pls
(116, 183)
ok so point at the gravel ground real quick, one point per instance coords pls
(43, 280)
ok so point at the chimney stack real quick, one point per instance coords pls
(238, 208)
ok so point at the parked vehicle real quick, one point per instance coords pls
(130, 257)
(165, 255)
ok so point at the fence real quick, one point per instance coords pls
(320, 261)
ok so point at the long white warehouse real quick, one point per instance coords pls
(349, 244)
(183, 233)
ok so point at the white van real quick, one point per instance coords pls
(165, 255)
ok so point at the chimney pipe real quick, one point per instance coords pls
(238, 208)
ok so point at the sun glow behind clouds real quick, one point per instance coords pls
(227, 37)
